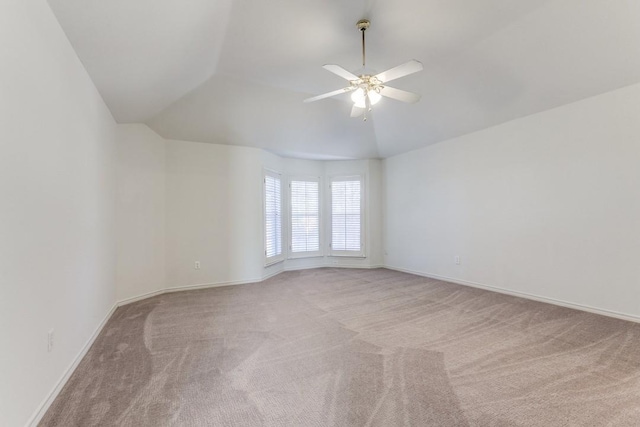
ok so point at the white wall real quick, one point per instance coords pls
(375, 221)
(546, 205)
(57, 196)
(213, 213)
(140, 211)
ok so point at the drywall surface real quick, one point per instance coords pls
(375, 221)
(547, 205)
(57, 216)
(140, 211)
(213, 211)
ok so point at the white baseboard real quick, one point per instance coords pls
(356, 266)
(575, 306)
(44, 406)
(270, 275)
(139, 297)
(311, 267)
(217, 285)
(35, 419)
(194, 287)
(237, 282)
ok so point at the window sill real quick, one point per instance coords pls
(302, 256)
(362, 256)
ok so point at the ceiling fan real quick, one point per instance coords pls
(369, 89)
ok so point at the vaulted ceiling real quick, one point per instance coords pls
(237, 71)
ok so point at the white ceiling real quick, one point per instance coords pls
(236, 72)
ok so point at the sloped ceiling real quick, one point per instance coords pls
(236, 72)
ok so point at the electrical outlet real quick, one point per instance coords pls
(457, 259)
(50, 341)
(197, 265)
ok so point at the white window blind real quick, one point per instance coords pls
(305, 217)
(273, 216)
(346, 216)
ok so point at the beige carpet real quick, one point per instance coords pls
(337, 347)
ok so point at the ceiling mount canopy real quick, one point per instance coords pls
(367, 89)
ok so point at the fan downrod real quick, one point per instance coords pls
(362, 25)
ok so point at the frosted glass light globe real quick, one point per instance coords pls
(358, 98)
(374, 97)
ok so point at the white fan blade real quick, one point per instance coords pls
(338, 70)
(400, 95)
(357, 111)
(330, 94)
(405, 69)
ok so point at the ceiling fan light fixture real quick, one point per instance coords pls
(374, 97)
(367, 90)
(358, 96)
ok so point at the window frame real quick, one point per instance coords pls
(278, 257)
(342, 253)
(320, 251)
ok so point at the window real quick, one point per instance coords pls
(305, 218)
(272, 217)
(346, 216)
